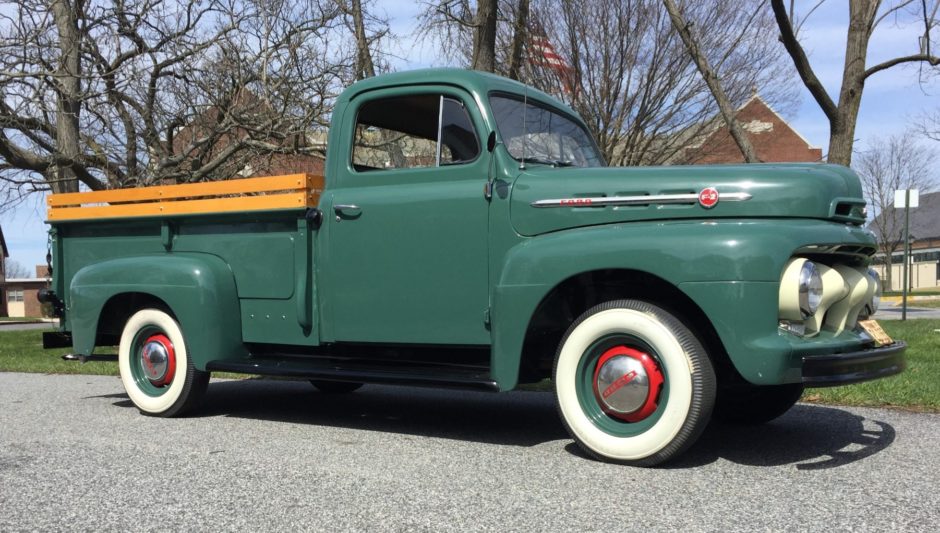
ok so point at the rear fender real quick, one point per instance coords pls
(199, 289)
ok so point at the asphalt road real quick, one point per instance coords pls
(894, 313)
(267, 455)
(19, 326)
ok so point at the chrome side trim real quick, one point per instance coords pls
(652, 199)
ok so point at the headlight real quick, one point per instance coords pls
(876, 298)
(811, 289)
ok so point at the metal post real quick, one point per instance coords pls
(907, 251)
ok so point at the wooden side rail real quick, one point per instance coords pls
(251, 194)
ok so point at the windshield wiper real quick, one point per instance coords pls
(552, 162)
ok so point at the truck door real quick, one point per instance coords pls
(408, 222)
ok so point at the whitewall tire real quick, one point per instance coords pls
(634, 385)
(155, 367)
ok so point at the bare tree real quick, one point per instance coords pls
(465, 26)
(484, 36)
(711, 79)
(518, 38)
(625, 69)
(367, 39)
(895, 164)
(14, 269)
(864, 18)
(368, 30)
(133, 92)
(929, 125)
(634, 82)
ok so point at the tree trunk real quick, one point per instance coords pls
(68, 96)
(842, 130)
(520, 34)
(714, 84)
(484, 37)
(887, 286)
(365, 68)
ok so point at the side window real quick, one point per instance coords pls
(413, 131)
(458, 140)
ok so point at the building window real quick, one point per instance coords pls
(15, 295)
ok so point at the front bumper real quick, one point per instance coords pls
(854, 367)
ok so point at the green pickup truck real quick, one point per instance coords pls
(467, 233)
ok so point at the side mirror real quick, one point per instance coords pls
(491, 141)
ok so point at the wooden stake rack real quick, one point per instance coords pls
(291, 191)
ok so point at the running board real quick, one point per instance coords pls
(112, 358)
(423, 376)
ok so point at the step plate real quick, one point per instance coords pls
(416, 377)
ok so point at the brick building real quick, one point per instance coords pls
(20, 294)
(773, 139)
(248, 164)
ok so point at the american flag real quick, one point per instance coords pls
(543, 54)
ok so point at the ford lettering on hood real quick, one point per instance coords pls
(546, 199)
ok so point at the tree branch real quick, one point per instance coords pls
(801, 62)
(714, 84)
(916, 58)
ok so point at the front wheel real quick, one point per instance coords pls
(634, 385)
(156, 369)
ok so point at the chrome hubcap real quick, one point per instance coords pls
(623, 384)
(627, 383)
(156, 359)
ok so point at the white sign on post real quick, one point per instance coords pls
(899, 199)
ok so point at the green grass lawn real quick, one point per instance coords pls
(917, 292)
(21, 351)
(918, 388)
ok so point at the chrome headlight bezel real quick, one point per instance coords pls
(876, 297)
(810, 288)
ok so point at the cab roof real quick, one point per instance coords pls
(474, 81)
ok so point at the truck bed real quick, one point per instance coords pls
(261, 233)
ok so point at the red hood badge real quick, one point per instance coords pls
(708, 198)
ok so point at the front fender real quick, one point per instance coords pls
(198, 288)
(688, 254)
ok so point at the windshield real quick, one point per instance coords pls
(548, 136)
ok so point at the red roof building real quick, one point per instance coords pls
(773, 139)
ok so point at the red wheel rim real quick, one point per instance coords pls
(158, 360)
(627, 383)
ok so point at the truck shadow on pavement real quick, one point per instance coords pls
(520, 419)
(811, 437)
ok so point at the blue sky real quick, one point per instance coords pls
(892, 98)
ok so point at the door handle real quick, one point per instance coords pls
(347, 210)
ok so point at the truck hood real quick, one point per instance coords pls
(546, 199)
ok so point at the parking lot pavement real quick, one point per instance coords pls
(278, 455)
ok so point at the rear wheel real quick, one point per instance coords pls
(751, 404)
(634, 385)
(156, 369)
(335, 387)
